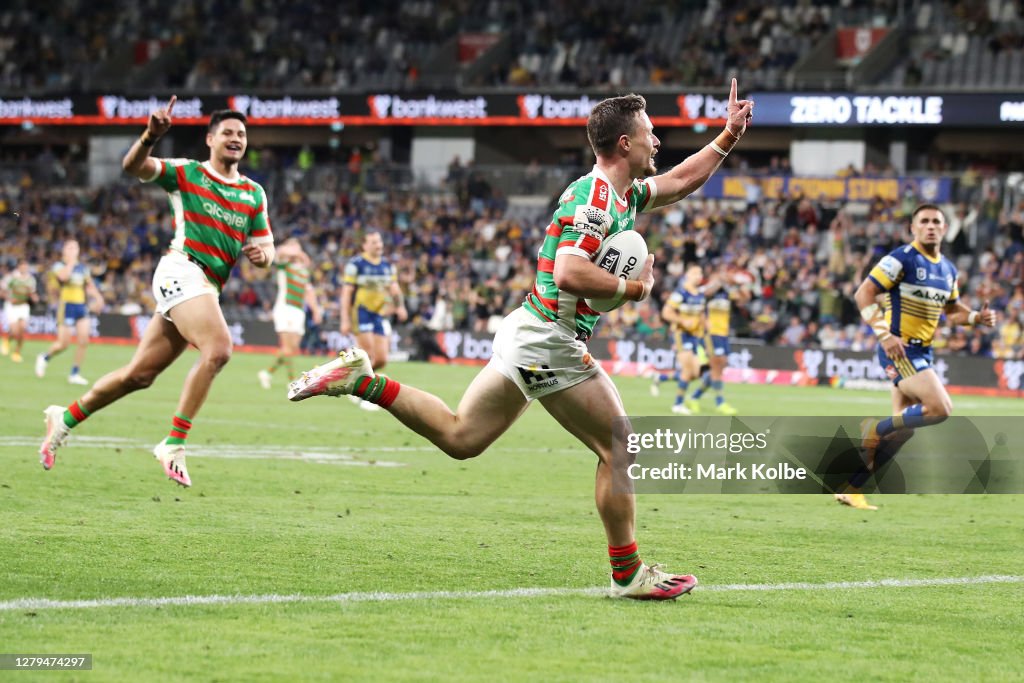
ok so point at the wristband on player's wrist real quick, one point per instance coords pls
(147, 140)
(972, 318)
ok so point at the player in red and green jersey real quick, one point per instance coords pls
(540, 349)
(218, 215)
(294, 293)
(18, 289)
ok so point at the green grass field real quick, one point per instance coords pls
(323, 499)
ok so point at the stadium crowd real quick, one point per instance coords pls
(465, 257)
(213, 45)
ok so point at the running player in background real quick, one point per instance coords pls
(18, 289)
(218, 215)
(294, 293)
(540, 350)
(74, 283)
(369, 293)
(721, 293)
(684, 311)
(921, 285)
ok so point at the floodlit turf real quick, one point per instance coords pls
(321, 498)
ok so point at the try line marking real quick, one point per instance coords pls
(341, 598)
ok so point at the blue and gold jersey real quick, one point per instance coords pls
(690, 306)
(72, 291)
(919, 289)
(372, 282)
(719, 308)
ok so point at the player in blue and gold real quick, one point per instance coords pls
(684, 311)
(74, 282)
(369, 294)
(721, 293)
(921, 286)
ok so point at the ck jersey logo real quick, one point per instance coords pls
(610, 260)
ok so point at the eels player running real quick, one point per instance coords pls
(684, 310)
(719, 305)
(18, 288)
(370, 285)
(74, 282)
(921, 285)
(294, 294)
(219, 214)
(540, 350)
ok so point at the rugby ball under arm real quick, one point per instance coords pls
(623, 255)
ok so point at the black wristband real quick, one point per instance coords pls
(147, 141)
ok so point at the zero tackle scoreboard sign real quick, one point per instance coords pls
(524, 109)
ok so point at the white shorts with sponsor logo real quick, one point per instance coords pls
(177, 279)
(289, 319)
(15, 312)
(540, 357)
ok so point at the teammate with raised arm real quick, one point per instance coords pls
(218, 214)
(540, 349)
(294, 293)
(921, 285)
(18, 289)
(73, 284)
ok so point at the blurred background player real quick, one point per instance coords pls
(219, 214)
(721, 292)
(18, 289)
(73, 284)
(921, 285)
(294, 294)
(684, 311)
(370, 285)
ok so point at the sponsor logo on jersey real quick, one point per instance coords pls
(220, 213)
(922, 274)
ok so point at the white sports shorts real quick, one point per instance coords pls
(540, 357)
(15, 312)
(289, 319)
(177, 279)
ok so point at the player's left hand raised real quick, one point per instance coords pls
(256, 255)
(740, 113)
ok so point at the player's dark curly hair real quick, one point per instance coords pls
(223, 114)
(611, 119)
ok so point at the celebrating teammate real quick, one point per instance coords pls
(540, 349)
(921, 285)
(294, 293)
(218, 214)
(370, 284)
(684, 311)
(73, 282)
(18, 288)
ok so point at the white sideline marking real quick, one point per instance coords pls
(341, 598)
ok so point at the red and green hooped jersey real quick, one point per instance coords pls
(19, 288)
(588, 211)
(213, 216)
(292, 280)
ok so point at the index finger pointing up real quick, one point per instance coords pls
(732, 92)
(174, 98)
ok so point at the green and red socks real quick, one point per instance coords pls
(74, 414)
(625, 561)
(377, 389)
(180, 425)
